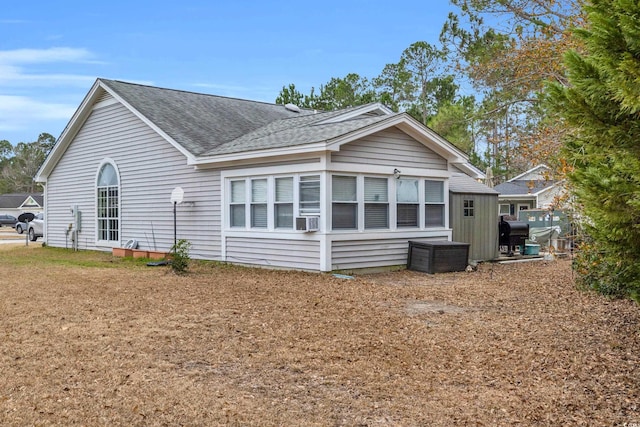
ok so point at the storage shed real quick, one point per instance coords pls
(473, 216)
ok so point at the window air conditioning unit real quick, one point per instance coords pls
(307, 223)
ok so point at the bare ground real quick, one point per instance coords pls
(86, 339)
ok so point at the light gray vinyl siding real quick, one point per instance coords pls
(390, 147)
(150, 168)
(481, 230)
(361, 254)
(270, 252)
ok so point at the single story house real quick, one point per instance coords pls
(533, 189)
(17, 203)
(262, 184)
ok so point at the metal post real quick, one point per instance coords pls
(175, 229)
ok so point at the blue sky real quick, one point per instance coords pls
(52, 52)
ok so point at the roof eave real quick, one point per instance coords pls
(204, 161)
(63, 141)
(358, 111)
(403, 121)
(78, 119)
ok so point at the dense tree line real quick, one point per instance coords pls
(599, 109)
(555, 82)
(505, 52)
(20, 163)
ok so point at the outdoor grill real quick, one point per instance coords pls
(512, 234)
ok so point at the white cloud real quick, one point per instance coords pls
(16, 67)
(35, 56)
(36, 85)
(20, 112)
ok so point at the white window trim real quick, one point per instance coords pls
(99, 242)
(271, 220)
(326, 202)
(444, 203)
(392, 204)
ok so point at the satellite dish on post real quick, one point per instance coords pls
(26, 217)
(177, 195)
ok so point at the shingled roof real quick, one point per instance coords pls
(210, 128)
(462, 183)
(199, 122)
(16, 200)
(523, 187)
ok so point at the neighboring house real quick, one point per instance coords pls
(17, 203)
(531, 190)
(264, 184)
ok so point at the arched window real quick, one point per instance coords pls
(108, 209)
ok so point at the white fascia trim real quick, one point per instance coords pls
(502, 197)
(470, 170)
(271, 170)
(388, 170)
(262, 154)
(78, 119)
(358, 112)
(63, 141)
(149, 123)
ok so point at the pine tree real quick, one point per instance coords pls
(601, 107)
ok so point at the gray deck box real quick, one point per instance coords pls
(437, 256)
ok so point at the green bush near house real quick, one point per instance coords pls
(180, 256)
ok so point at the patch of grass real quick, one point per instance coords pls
(23, 255)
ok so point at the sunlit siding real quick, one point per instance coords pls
(270, 252)
(390, 147)
(375, 253)
(150, 168)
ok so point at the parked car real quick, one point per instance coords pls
(36, 227)
(8, 220)
(20, 227)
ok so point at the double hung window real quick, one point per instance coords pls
(344, 190)
(407, 206)
(269, 203)
(376, 203)
(310, 195)
(237, 203)
(259, 214)
(434, 203)
(283, 205)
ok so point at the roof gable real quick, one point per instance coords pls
(21, 201)
(523, 187)
(537, 173)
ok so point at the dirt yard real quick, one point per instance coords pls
(88, 339)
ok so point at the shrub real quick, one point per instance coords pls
(180, 261)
